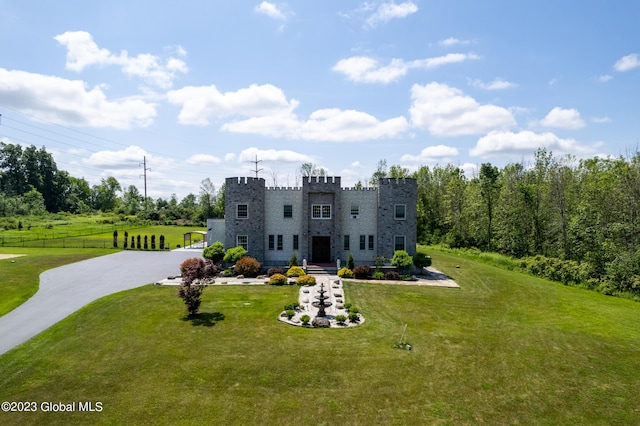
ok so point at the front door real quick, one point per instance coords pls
(321, 249)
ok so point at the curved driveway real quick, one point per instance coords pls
(66, 289)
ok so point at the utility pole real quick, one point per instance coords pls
(144, 165)
(256, 164)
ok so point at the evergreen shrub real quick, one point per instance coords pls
(295, 271)
(277, 279)
(345, 273)
(306, 280)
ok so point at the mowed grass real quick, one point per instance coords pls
(20, 276)
(506, 348)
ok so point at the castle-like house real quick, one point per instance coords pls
(321, 221)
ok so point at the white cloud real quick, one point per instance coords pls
(447, 111)
(201, 104)
(431, 153)
(627, 63)
(229, 156)
(363, 69)
(270, 10)
(600, 120)
(605, 78)
(286, 156)
(331, 125)
(389, 11)
(526, 142)
(563, 119)
(203, 160)
(83, 52)
(470, 170)
(128, 158)
(69, 102)
(452, 41)
(497, 84)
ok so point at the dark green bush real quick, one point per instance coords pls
(290, 313)
(305, 319)
(340, 319)
(378, 275)
(421, 260)
(353, 317)
(234, 254)
(354, 309)
(350, 263)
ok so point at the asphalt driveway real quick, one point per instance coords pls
(66, 289)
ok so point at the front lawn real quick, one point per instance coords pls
(505, 348)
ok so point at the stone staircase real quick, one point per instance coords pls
(322, 269)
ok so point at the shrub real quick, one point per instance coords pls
(126, 239)
(392, 276)
(153, 242)
(354, 309)
(295, 271)
(272, 271)
(347, 306)
(161, 242)
(277, 279)
(378, 275)
(353, 317)
(210, 270)
(401, 259)
(350, 263)
(247, 266)
(306, 280)
(290, 313)
(146, 242)
(362, 271)
(345, 273)
(291, 306)
(192, 269)
(234, 254)
(214, 252)
(340, 319)
(191, 295)
(227, 272)
(305, 319)
(421, 260)
(293, 260)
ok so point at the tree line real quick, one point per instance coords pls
(586, 212)
(32, 184)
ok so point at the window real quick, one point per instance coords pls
(399, 242)
(288, 210)
(346, 243)
(242, 211)
(401, 211)
(243, 241)
(271, 242)
(279, 242)
(363, 242)
(371, 242)
(295, 242)
(321, 211)
(355, 212)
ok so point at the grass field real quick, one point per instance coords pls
(20, 277)
(506, 348)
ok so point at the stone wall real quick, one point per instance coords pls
(365, 223)
(276, 224)
(392, 192)
(249, 191)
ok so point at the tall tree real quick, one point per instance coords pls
(489, 187)
(105, 195)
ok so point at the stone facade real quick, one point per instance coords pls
(321, 221)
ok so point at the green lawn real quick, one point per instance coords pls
(20, 277)
(506, 348)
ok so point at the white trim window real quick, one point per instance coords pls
(321, 211)
(399, 242)
(242, 241)
(242, 211)
(355, 211)
(400, 212)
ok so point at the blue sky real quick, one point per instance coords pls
(200, 88)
